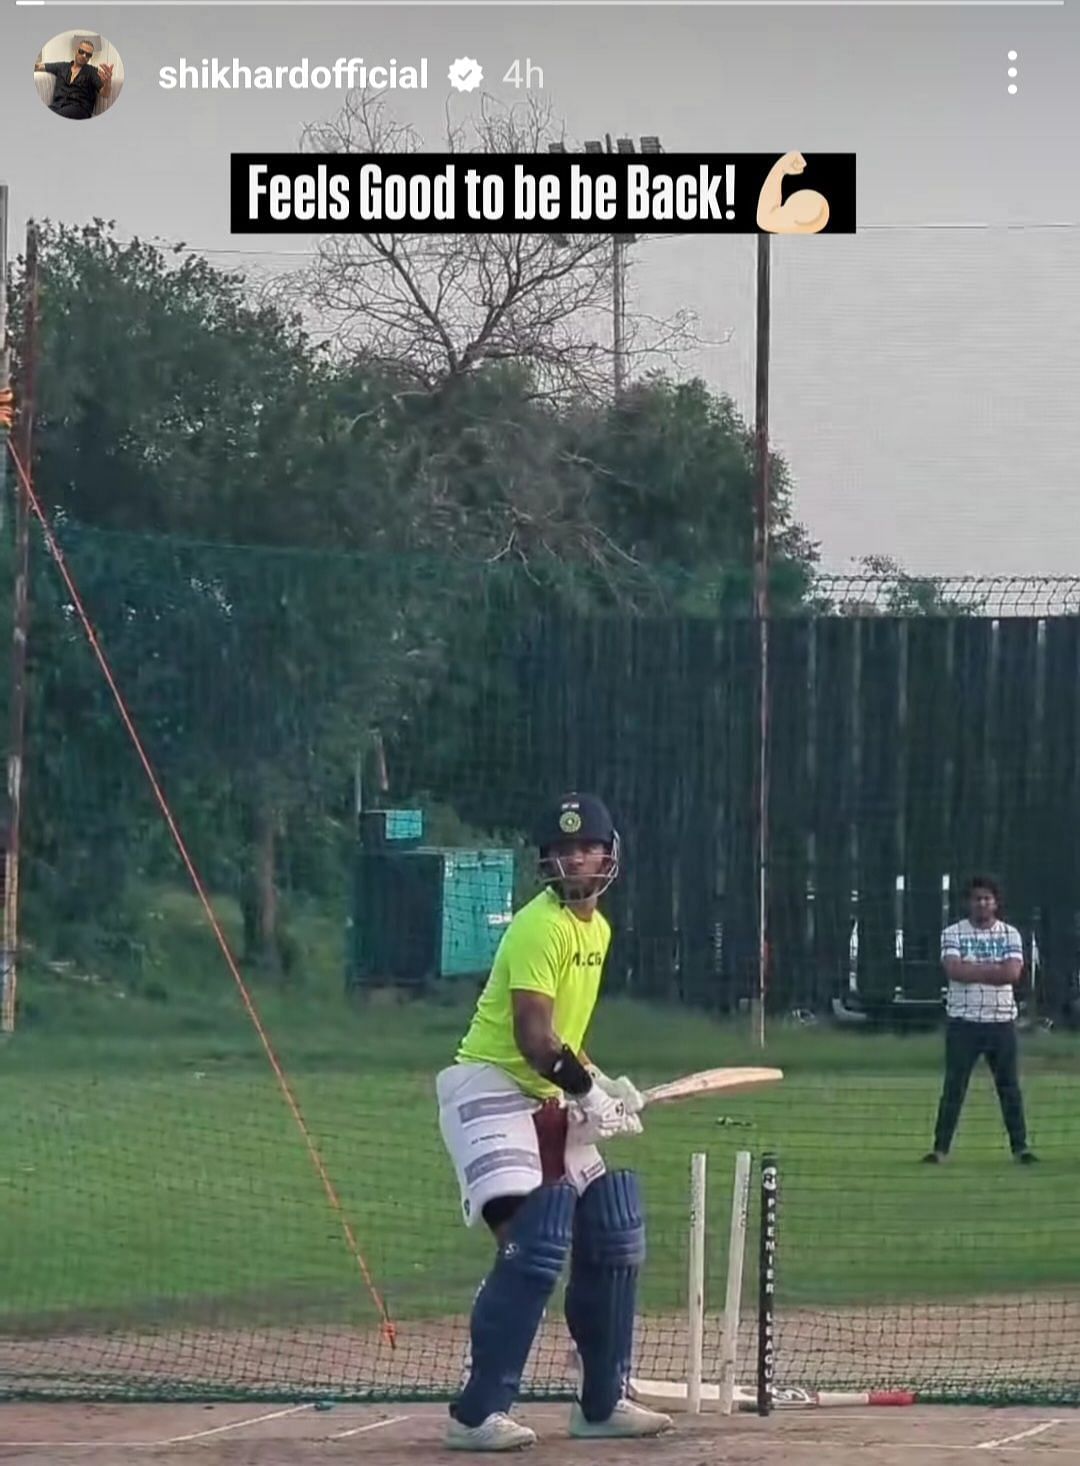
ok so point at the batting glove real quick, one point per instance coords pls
(602, 1116)
(621, 1089)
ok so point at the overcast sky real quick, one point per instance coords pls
(924, 379)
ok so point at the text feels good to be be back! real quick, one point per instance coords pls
(429, 192)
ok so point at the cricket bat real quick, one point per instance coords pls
(710, 1081)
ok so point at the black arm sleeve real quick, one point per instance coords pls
(569, 1073)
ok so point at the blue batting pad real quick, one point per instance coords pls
(609, 1248)
(512, 1299)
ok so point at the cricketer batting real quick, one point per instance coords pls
(521, 1111)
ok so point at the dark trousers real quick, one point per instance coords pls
(965, 1042)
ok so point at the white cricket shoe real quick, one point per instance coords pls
(627, 1420)
(497, 1433)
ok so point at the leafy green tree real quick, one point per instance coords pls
(465, 503)
(170, 402)
(186, 412)
(673, 484)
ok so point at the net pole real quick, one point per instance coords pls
(696, 1287)
(21, 619)
(740, 1208)
(761, 615)
(767, 1286)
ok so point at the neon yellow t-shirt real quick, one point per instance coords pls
(545, 949)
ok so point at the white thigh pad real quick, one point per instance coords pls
(487, 1127)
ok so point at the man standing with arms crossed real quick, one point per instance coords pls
(983, 958)
(520, 1111)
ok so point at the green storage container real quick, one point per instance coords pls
(477, 894)
(400, 829)
(422, 916)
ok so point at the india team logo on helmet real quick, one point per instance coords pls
(577, 820)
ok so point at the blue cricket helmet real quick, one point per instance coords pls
(577, 819)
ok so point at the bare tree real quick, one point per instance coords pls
(481, 344)
(433, 307)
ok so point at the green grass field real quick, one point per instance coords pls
(151, 1174)
(135, 1171)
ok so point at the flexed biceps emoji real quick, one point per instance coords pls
(805, 212)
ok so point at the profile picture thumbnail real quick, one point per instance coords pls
(78, 75)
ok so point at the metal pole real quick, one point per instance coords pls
(761, 615)
(24, 437)
(618, 300)
(618, 255)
